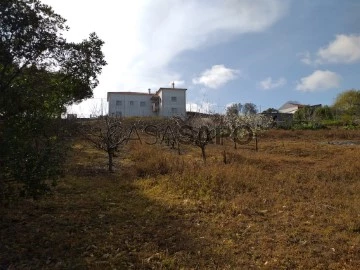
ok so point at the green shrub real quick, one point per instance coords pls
(308, 126)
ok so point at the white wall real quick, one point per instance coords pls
(172, 103)
(130, 104)
(169, 107)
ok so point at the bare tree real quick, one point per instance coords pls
(107, 134)
(246, 127)
(199, 132)
(195, 130)
(95, 110)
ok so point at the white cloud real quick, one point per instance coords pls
(268, 83)
(89, 107)
(306, 58)
(177, 83)
(229, 104)
(202, 107)
(216, 76)
(143, 37)
(319, 80)
(344, 49)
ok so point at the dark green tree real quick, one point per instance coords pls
(324, 113)
(233, 109)
(40, 73)
(270, 110)
(304, 114)
(249, 108)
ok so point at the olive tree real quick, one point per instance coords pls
(347, 104)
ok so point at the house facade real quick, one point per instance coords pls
(166, 102)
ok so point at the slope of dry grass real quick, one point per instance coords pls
(294, 204)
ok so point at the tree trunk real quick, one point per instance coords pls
(224, 157)
(178, 148)
(203, 153)
(110, 155)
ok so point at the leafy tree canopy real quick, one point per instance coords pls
(245, 109)
(324, 113)
(233, 109)
(35, 55)
(270, 110)
(305, 113)
(40, 73)
(348, 102)
(249, 108)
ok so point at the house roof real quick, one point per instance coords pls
(169, 88)
(144, 93)
(129, 93)
(290, 105)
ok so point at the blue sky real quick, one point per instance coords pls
(261, 51)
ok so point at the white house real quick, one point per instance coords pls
(289, 107)
(292, 107)
(165, 102)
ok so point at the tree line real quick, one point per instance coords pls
(344, 111)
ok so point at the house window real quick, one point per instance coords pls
(173, 99)
(131, 103)
(174, 110)
(118, 103)
(142, 103)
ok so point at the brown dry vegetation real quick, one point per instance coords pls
(294, 204)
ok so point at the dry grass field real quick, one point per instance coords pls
(293, 204)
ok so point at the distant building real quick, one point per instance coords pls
(165, 102)
(280, 119)
(292, 107)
